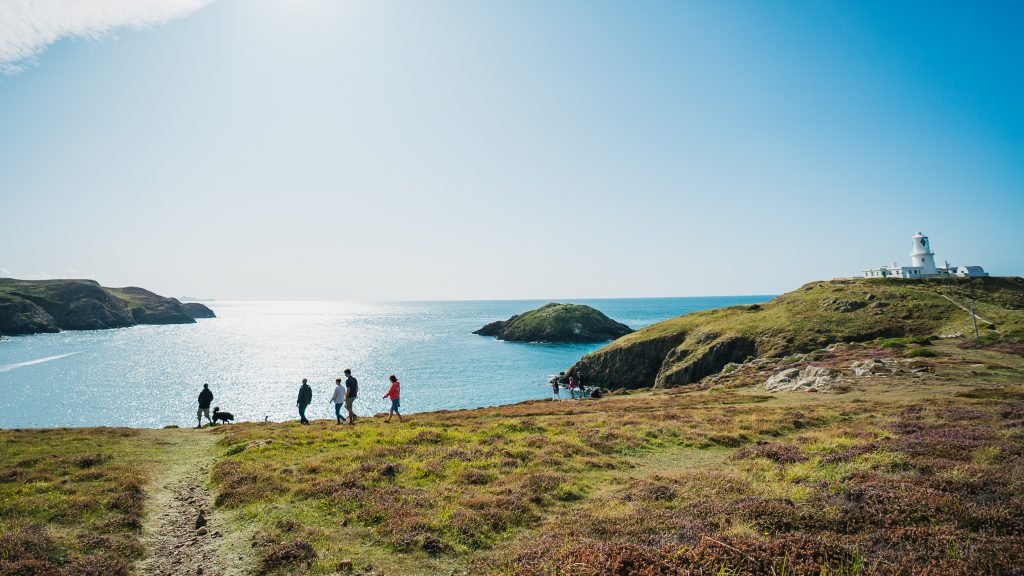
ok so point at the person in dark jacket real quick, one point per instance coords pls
(205, 399)
(351, 392)
(305, 397)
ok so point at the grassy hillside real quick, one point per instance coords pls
(684, 350)
(72, 501)
(907, 472)
(34, 306)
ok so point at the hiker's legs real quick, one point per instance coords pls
(302, 414)
(337, 412)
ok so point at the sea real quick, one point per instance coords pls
(255, 354)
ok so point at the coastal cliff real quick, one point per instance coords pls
(197, 310)
(574, 323)
(37, 306)
(683, 350)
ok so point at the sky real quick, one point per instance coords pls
(455, 149)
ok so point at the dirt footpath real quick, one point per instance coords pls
(182, 534)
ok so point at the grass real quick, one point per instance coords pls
(684, 350)
(910, 472)
(71, 501)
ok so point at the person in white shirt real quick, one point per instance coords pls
(338, 398)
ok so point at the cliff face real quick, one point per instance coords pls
(197, 310)
(557, 323)
(34, 306)
(684, 350)
(149, 308)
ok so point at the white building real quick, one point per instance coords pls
(922, 265)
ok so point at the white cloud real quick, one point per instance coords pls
(27, 27)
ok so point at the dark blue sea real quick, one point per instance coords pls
(255, 354)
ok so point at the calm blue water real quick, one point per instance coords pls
(255, 354)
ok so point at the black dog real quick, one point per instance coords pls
(225, 416)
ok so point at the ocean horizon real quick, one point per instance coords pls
(255, 354)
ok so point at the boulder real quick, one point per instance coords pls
(809, 379)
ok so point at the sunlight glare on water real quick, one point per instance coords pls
(254, 355)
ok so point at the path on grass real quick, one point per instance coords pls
(968, 310)
(181, 532)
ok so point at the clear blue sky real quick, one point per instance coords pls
(461, 149)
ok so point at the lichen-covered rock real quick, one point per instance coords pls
(557, 323)
(809, 379)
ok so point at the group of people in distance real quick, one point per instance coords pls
(575, 386)
(344, 395)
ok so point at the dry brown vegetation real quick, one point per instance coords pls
(917, 471)
(907, 473)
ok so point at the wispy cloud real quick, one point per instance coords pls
(27, 27)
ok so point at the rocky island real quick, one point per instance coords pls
(682, 351)
(572, 323)
(36, 306)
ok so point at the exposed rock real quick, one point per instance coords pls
(684, 350)
(863, 368)
(557, 323)
(809, 379)
(703, 361)
(843, 305)
(20, 316)
(197, 310)
(494, 328)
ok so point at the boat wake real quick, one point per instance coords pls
(16, 365)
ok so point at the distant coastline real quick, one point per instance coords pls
(41, 306)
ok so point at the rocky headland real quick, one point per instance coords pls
(684, 350)
(566, 323)
(37, 306)
(197, 310)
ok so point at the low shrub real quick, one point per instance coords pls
(287, 554)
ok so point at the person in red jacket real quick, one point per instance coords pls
(393, 393)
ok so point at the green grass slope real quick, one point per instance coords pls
(683, 350)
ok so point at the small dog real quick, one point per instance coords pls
(224, 416)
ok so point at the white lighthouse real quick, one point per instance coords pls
(921, 255)
(922, 264)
